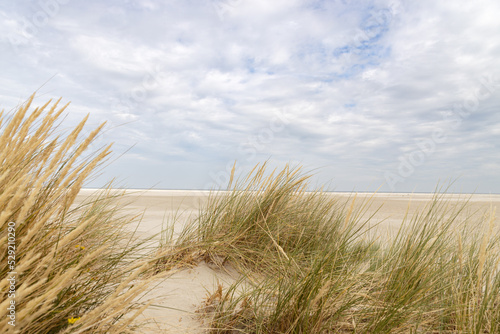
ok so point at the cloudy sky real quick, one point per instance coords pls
(399, 95)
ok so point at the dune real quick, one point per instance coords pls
(177, 298)
(269, 257)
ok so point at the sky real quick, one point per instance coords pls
(394, 96)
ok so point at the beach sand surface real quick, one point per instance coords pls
(179, 296)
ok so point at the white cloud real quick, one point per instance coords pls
(357, 85)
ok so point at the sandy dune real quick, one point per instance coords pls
(180, 295)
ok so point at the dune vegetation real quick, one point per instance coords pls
(310, 264)
(306, 261)
(63, 268)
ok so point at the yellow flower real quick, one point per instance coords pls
(79, 246)
(73, 320)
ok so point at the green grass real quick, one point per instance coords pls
(309, 263)
(265, 221)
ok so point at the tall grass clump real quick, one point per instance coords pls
(438, 274)
(317, 299)
(75, 268)
(309, 263)
(265, 220)
(296, 249)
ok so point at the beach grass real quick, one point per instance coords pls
(311, 264)
(263, 221)
(307, 261)
(64, 268)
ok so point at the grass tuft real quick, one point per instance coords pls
(309, 263)
(76, 267)
(264, 221)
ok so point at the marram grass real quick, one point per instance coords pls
(264, 221)
(76, 268)
(309, 263)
